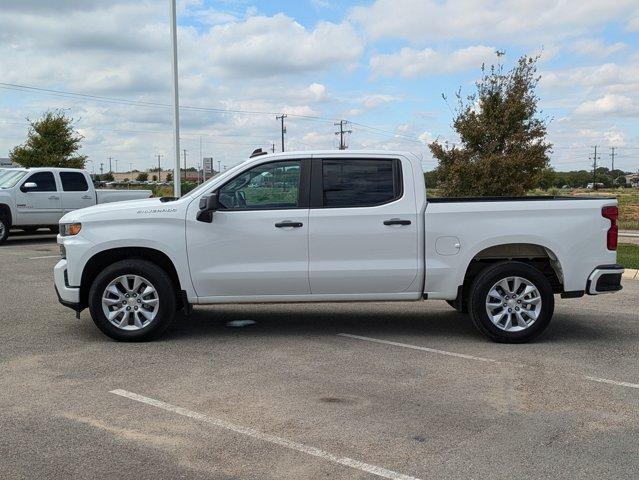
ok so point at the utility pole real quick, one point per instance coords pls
(219, 166)
(110, 169)
(159, 168)
(612, 156)
(177, 185)
(612, 171)
(101, 168)
(116, 165)
(184, 164)
(131, 167)
(342, 124)
(273, 147)
(200, 163)
(282, 117)
(594, 169)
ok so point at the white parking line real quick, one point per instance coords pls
(612, 382)
(481, 359)
(316, 452)
(415, 347)
(44, 256)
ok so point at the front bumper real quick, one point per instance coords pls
(68, 296)
(605, 279)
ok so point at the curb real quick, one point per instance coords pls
(630, 274)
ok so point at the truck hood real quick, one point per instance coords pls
(148, 207)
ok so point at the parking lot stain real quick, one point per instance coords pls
(337, 400)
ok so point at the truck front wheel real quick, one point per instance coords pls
(132, 300)
(511, 302)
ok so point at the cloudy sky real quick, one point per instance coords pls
(381, 64)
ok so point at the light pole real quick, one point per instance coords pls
(177, 186)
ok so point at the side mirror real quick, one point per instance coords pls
(29, 186)
(208, 205)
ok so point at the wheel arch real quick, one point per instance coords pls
(539, 256)
(5, 211)
(104, 258)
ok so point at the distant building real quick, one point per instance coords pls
(191, 175)
(7, 163)
(633, 179)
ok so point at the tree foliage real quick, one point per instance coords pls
(142, 177)
(51, 142)
(502, 147)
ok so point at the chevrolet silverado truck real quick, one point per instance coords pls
(38, 197)
(333, 226)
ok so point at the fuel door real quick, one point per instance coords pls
(447, 245)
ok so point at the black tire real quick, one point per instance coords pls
(489, 277)
(4, 229)
(463, 308)
(166, 294)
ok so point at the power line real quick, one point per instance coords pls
(143, 103)
(19, 87)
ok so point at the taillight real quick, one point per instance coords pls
(611, 213)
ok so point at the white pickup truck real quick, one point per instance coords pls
(38, 197)
(334, 226)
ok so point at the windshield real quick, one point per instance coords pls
(9, 178)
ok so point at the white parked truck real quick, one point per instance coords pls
(332, 226)
(38, 197)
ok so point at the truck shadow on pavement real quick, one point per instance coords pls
(17, 239)
(369, 320)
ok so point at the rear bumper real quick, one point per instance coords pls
(68, 296)
(605, 279)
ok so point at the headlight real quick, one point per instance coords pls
(70, 229)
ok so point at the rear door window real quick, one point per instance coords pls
(73, 182)
(360, 182)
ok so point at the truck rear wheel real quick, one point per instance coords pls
(132, 300)
(511, 302)
(4, 229)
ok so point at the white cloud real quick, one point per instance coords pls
(595, 47)
(318, 92)
(425, 20)
(409, 62)
(320, 4)
(609, 104)
(377, 99)
(264, 46)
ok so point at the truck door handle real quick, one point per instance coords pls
(53, 197)
(287, 223)
(86, 197)
(396, 221)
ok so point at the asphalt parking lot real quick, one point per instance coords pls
(398, 391)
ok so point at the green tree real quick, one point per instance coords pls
(142, 177)
(107, 177)
(502, 147)
(51, 142)
(154, 178)
(169, 177)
